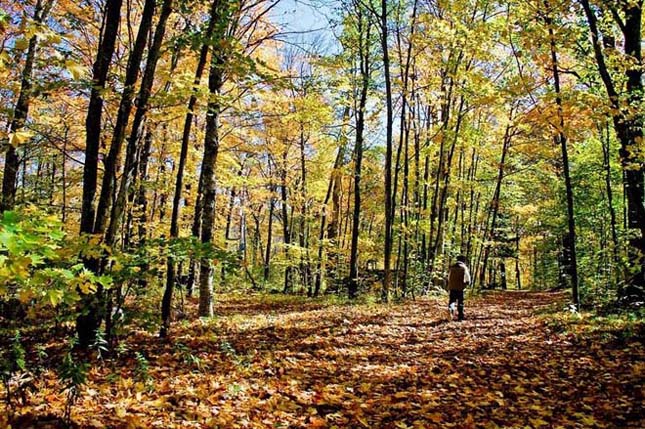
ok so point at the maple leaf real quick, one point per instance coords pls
(18, 138)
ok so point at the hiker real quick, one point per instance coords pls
(458, 279)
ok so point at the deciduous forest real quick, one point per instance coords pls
(247, 213)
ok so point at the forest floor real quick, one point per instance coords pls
(517, 361)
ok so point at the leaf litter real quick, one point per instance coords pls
(292, 364)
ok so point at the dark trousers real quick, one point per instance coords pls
(458, 297)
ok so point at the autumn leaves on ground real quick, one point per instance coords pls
(286, 362)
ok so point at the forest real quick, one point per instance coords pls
(245, 213)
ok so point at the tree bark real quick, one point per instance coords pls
(333, 188)
(143, 96)
(267, 253)
(561, 137)
(303, 237)
(21, 111)
(606, 149)
(125, 107)
(286, 233)
(629, 130)
(95, 110)
(89, 317)
(387, 248)
(364, 58)
(489, 229)
(195, 233)
(209, 162)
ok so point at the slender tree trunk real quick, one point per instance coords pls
(502, 275)
(364, 58)
(93, 126)
(125, 107)
(196, 234)
(404, 138)
(335, 220)
(606, 152)
(518, 276)
(426, 185)
(137, 124)
(387, 248)
(629, 130)
(442, 215)
(303, 237)
(179, 183)
(435, 212)
(209, 162)
(489, 229)
(229, 215)
(471, 202)
(89, 317)
(64, 178)
(561, 137)
(267, 253)
(21, 111)
(286, 233)
(417, 177)
(472, 227)
(142, 200)
(334, 186)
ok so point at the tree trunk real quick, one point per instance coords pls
(21, 111)
(142, 200)
(125, 107)
(363, 52)
(89, 317)
(434, 208)
(137, 124)
(95, 109)
(606, 152)
(305, 261)
(629, 130)
(387, 248)
(196, 234)
(209, 162)
(489, 229)
(570, 248)
(267, 254)
(285, 222)
(179, 181)
(332, 190)
(442, 216)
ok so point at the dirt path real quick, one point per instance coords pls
(398, 366)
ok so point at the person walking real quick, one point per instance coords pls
(458, 279)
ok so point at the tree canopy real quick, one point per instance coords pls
(159, 155)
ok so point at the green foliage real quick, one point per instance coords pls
(188, 357)
(73, 373)
(148, 261)
(13, 372)
(142, 368)
(623, 326)
(100, 343)
(13, 359)
(227, 349)
(40, 264)
(41, 358)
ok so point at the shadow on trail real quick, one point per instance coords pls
(410, 365)
(315, 365)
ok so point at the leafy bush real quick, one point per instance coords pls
(13, 372)
(73, 374)
(40, 264)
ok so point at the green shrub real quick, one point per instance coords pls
(40, 264)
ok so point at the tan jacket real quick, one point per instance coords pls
(458, 277)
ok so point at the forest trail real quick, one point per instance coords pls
(297, 363)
